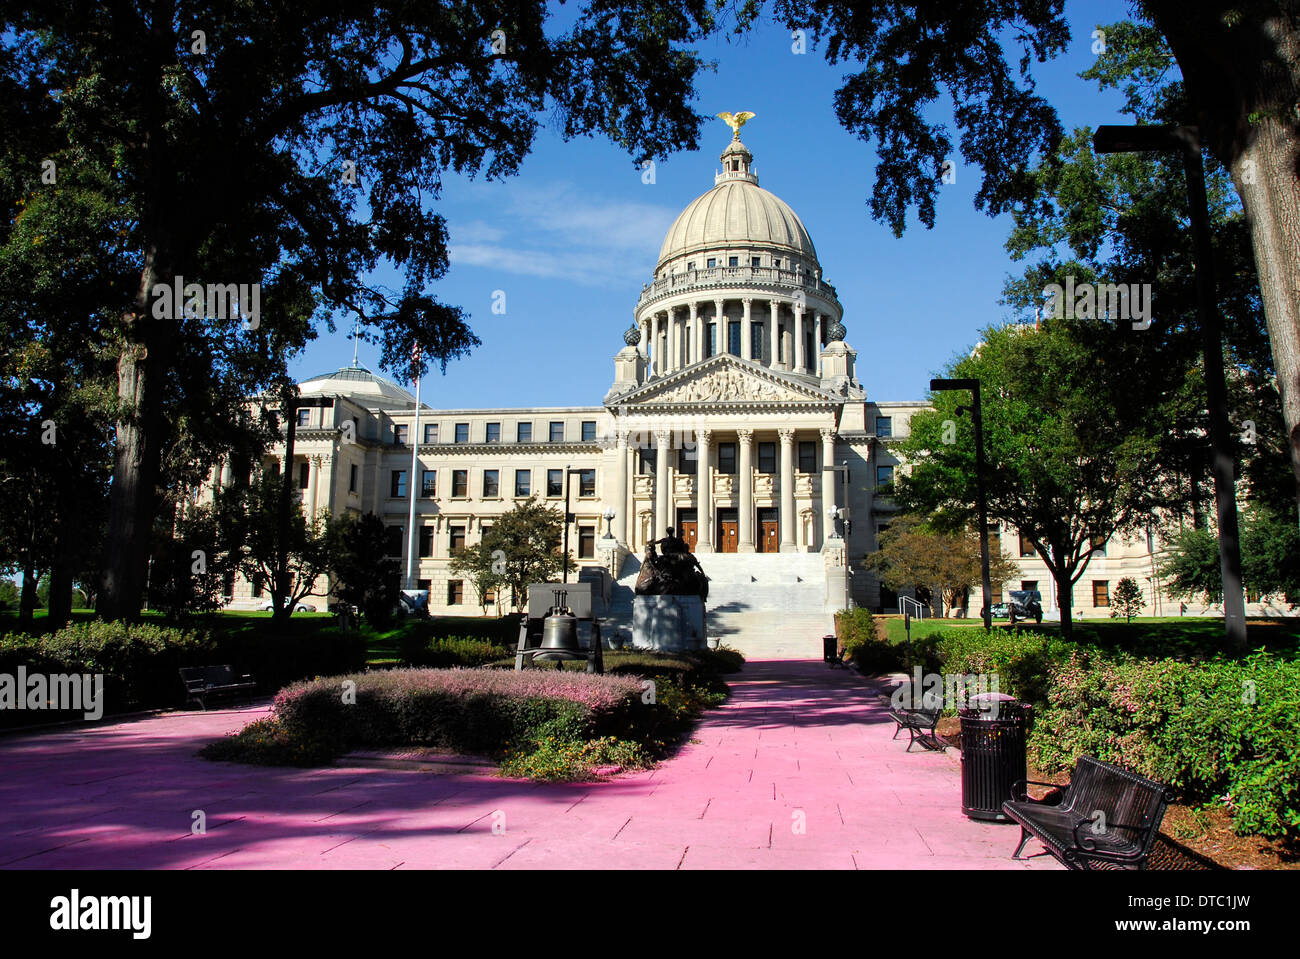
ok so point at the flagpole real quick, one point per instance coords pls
(415, 453)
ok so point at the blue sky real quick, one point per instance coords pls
(572, 238)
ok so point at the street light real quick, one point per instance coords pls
(1186, 139)
(609, 515)
(981, 496)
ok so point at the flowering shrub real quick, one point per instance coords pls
(417, 649)
(1020, 660)
(1222, 730)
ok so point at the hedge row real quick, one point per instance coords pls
(1217, 730)
(140, 661)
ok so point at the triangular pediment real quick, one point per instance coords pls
(728, 380)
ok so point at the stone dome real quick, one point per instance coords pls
(737, 212)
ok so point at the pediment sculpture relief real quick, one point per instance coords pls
(723, 385)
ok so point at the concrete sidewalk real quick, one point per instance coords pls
(796, 771)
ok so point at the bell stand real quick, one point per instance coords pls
(530, 639)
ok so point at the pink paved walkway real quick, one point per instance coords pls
(797, 744)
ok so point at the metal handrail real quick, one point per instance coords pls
(919, 608)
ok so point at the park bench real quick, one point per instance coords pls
(204, 681)
(916, 721)
(1106, 816)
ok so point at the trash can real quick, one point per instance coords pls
(993, 730)
(831, 651)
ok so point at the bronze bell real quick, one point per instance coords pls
(560, 627)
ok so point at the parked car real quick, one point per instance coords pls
(1026, 604)
(269, 607)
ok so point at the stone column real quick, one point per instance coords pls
(774, 335)
(799, 364)
(723, 341)
(620, 489)
(657, 360)
(703, 492)
(674, 341)
(745, 482)
(662, 499)
(697, 337)
(830, 495)
(816, 363)
(746, 336)
(313, 480)
(787, 489)
(644, 345)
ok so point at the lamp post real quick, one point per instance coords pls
(981, 496)
(1186, 140)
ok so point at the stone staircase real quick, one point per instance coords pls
(767, 605)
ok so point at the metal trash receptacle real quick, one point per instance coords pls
(993, 731)
(831, 651)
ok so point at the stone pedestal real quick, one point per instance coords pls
(670, 623)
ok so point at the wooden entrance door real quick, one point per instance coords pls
(728, 531)
(768, 539)
(688, 527)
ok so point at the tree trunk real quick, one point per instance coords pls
(27, 599)
(1272, 204)
(132, 498)
(283, 585)
(1242, 80)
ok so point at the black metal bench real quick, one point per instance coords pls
(1106, 817)
(916, 721)
(204, 681)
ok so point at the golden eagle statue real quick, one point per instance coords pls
(736, 121)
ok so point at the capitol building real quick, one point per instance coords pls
(736, 415)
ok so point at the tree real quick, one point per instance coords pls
(1190, 567)
(1127, 601)
(366, 576)
(1071, 451)
(912, 554)
(1240, 67)
(528, 538)
(484, 567)
(192, 558)
(1270, 558)
(307, 547)
(292, 157)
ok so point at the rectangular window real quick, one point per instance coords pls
(491, 484)
(647, 460)
(523, 482)
(711, 262)
(462, 432)
(304, 416)
(430, 434)
(690, 265)
(587, 483)
(754, 262)
(727, 458)
(767, 457)
(394, 544)
(429, 484)
(304, 475)
(455, 592)
(807, 456)
(352, 478)
(756, 341)
(710, 340)
(455, 537)
(1029, 585)
(426, 542)
(586, 542)
(557, 431)
(493, 433)
(400, 431)
(884, 426)
(733, 261)
(589, 431)
(490, 598)
(397, 483)
(555, 482)
(1026, 547)
(459, 483)
(524, 433)
(884, 475)
(1101, 592)
(686, 460)
(776, 263)
(733, 339)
